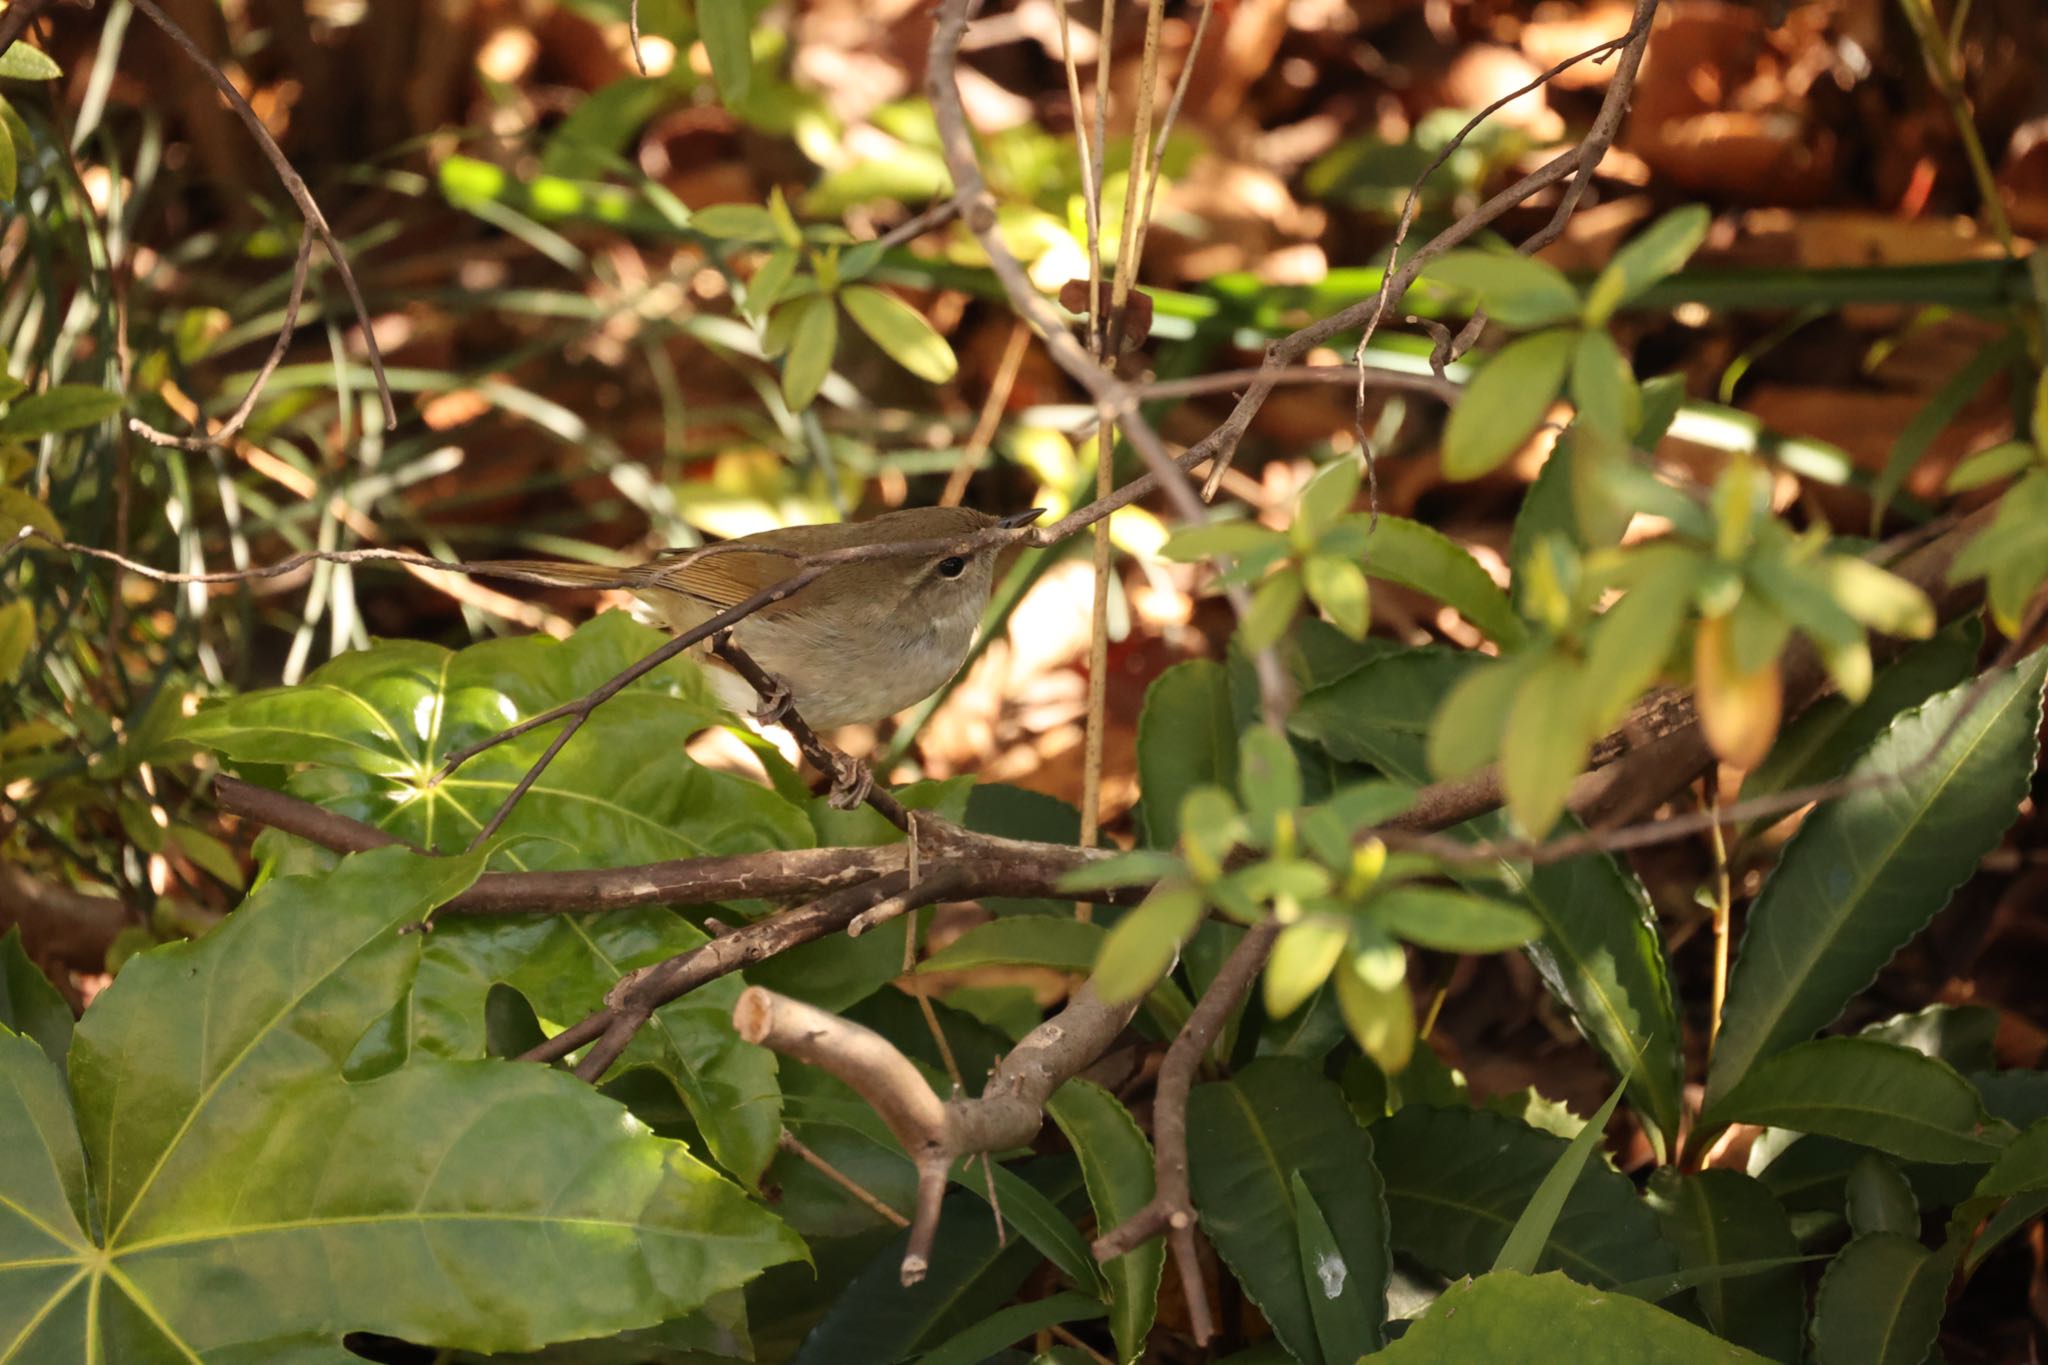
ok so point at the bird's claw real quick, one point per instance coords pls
(775, 703)
(851, 782)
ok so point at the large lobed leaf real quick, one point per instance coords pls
(1866, 872)
(245, 1202)
(1510, 1319)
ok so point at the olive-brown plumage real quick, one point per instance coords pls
(862, 641)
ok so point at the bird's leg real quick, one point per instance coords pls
(776, 698)
(775, 704)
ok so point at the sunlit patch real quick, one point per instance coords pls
(426, 715)
(507, 712)
(1332, 1271)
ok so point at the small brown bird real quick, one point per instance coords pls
(863, 641)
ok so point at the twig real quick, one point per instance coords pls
(1172, 1209)
(19, 14)
(984, 433)
(789, 1143)
(294, 186)
(910, 229)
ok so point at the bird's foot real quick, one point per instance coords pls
(851, 782)
(776, 702)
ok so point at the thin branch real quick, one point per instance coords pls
(789, 1143)
(852, 783)
(240, 417)
(910, 229)
(1172, 1209)
(294, 186)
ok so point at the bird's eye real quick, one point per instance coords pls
(952, 566)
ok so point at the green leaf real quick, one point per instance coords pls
(1881, 1302)
(1066, 945)
(1250, 1140)
(1268, 777)
(1519, 291)
(1535, 1320)
(1116, 1163)
(20, 62)
(1961, 1035)
(1886, 1097)
(901, 331)
(1142, 946)
(1240, 539)
(1273, 608)
(1633, 639)
(1545, 744)
(2001, 461)
(1465, 734)
(10, 168)
(1458, 1180)
(723, 27)
(563, 965)
(1600, 953)
(2021, 1168)
(228, 1156)
(1504, 402)
(1452, 921)
(1868, 871)
(1531, 1232)
(770, 278)
(1878, 598)
(1328, 495)
(1420, 557)
(1880, 1199)
(813, 324)
(1722, 1221)
(1338, 586)
(380, 722)
(17, 637)
(1187, 738)
(1347, 1325)
(1018, 1322)
(1942, 409)
(66, 407)
(29, 1004)
(1133, 868)
(1659, 250)
(1603, 387)
(1303, 956)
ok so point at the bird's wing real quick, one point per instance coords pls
(717, 576)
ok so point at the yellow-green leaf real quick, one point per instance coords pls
(901, 331)
(1143, 945)
(1303, 956)
(1504, 402)
(813, 331)
(17, 637)
(1545, 745)
(1338, 586)
(20, 62)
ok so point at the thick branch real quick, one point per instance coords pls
(58, 923)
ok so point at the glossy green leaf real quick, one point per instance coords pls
(29, 1004)
(1187, 738)
(1423, 558)
(1520, 292)
(901, 331)
(1249, 1139)
(2021, 1168)
(1603, 386)
(1880, 1199)
(1504, 402)
(1542, 1319)
(1067, 945)
(66, 407)
(1868, 871)
(20, 62)
(1530, 1234)
(1886, 1097)
(1347, 1320)
(1881, 1302)
(1459, 1179)
(1453, 921)
(1116, 1164)
(723, 27)
(563, 965)
(813, 330)
(483, 1205)
(1721, 1220)
(1135, 867)
(1657, 251)
(1239, 539)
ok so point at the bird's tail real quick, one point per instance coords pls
(558, 573)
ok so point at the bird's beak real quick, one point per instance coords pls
(1017, 519)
